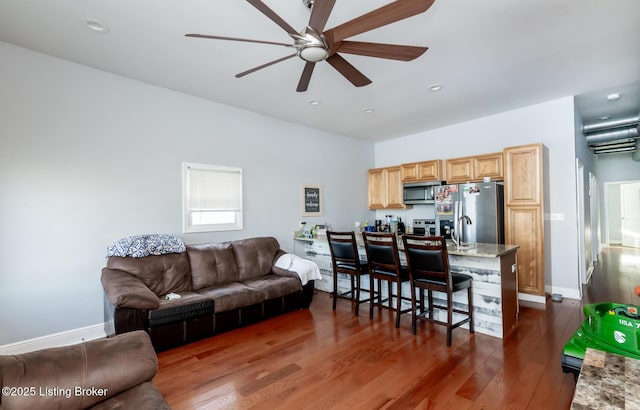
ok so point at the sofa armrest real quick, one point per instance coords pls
(280, 271)
(284, 272)
(125, 290)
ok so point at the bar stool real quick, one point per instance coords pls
(384, 265)
(345, 259)
(428, 263)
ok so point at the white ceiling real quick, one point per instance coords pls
(491, 56)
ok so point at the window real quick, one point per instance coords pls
(212, 198)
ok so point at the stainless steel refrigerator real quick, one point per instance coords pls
(477, 208)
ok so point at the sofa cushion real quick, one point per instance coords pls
(163, 274)
(212, 264)
(255, 256)
(232, 296)
(189, 305)
(273, 286)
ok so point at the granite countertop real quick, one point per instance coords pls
(607, 381)
(482, 250)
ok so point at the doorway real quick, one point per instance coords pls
(630, 214)
(622, 213)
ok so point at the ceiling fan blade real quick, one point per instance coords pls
(260, 67)
(392, 12)
(238, 39)
(348, 71)
(303, 84)
(264, 9)
(320, 14)
(390, 51)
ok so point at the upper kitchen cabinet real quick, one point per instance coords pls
(488, 165)
(460, 169)
(385, 188)
(422, 171)
(524, 173)
(476, 168)
(524, 213)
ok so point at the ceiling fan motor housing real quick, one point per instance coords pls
(311, 45)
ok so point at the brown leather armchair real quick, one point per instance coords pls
(112, 373)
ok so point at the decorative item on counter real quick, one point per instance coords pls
(302, 232)
(369, 228)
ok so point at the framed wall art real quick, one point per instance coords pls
(311, 200)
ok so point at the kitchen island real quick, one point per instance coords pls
(492, 267)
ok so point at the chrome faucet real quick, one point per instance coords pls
(458, 229)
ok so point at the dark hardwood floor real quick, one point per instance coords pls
(615, 277)
(320, 359)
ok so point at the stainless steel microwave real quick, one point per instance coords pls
(419, 193)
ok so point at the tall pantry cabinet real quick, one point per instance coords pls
(524, 213)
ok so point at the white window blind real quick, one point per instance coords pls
(212, 198)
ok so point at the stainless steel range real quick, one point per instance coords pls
(424, 227)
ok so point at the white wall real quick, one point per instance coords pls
(552, 124)
(88, 157)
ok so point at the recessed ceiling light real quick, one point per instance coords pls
(604, 117)
(368, 110)
(435, 87)
(314, 102)
(613, 97)
(96, 25)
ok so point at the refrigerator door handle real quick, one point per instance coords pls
(454, 234)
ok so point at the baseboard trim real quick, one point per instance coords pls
(532, 298)
(567, 293)
(69, 337)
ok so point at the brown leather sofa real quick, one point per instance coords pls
(112, 373)
(221, 286)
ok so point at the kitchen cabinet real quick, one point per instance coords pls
(488, 165)
(422, 171)
(524, 213)
(460, 169)
(475, 168)
(385, 188)
(377, 188)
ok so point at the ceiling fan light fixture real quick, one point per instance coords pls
(313, 53)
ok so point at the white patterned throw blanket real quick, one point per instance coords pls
(307, 270)
(139, 246)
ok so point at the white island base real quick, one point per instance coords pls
(492, 267)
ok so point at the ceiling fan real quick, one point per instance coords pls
(314, 44)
